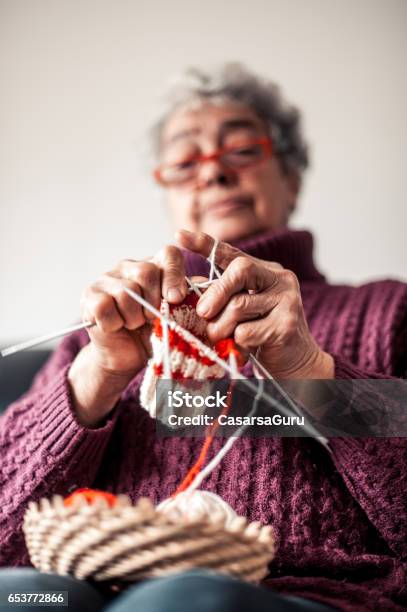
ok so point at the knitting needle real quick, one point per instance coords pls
(22, 346)
(189, 337)
(41, 339)
(225, 449)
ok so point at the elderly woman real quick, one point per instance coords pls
(231, 159)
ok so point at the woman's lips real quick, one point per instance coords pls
(228, 205)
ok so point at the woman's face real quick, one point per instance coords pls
(225, 203)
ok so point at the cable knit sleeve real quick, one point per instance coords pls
(43, 449)
(374, 470)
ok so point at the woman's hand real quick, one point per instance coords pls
(259, 304)
(119, 345)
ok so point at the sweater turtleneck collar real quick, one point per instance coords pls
(293, 249)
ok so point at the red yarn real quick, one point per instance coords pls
(209, 436)
(224, 348)
(90, 495)
(228, 347)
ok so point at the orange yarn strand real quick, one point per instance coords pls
(209, 435)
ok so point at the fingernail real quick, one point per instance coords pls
(184, 234)
(202, 307)
(174, 294)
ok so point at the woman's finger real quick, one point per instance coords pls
(277, 329)
(173, 283)
(100, 307)
(241, 307)
(225, 253)
(202, 243)
(241, 274)
(131, 313)
(147, 276)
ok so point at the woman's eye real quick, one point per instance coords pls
(243, 154)
(246, 150)
(185, 165)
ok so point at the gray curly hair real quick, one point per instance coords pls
(234, 82)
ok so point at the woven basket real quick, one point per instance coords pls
(128, 543)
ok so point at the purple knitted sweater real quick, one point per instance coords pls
(340, 519)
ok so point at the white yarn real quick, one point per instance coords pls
(193, 286)
(212, 260)
(196, 505)
(233, 366)
(188, 318)
(174, 360)
(166, 342)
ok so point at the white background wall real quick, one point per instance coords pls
(80, 84)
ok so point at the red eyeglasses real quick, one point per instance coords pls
(239, 157)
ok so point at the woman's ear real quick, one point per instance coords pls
(294, 187)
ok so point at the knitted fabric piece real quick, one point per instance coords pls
(187, 362)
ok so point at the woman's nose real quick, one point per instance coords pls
(213, 172)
